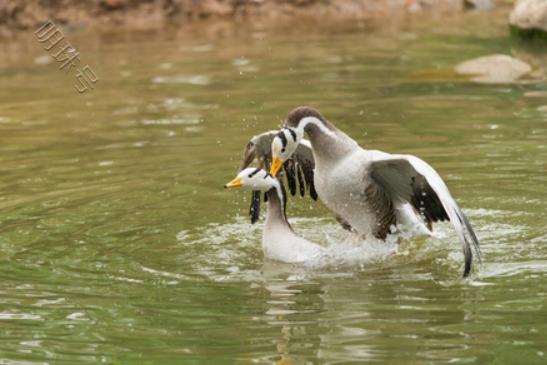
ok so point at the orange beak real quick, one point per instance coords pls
(235, 183)
(276, 166)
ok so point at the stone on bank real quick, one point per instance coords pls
(529, 19)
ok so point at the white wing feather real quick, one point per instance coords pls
(395, 173)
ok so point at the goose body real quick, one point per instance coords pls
(343, 196)
(279, 241)
(366, 207)
(371, 191)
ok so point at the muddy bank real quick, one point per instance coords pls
(29, 14)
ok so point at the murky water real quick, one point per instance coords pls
(119, 245)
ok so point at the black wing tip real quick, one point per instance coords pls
(474, 238)
(298, 179)
(313, 193)
(254, 209)
(467, 269)
(468, 262)
(288, 169)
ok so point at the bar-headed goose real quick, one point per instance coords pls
(297, 169)
(279, 242)
(367, 188)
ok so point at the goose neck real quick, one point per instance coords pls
(276, 213)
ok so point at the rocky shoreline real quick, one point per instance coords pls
(529, 19)
(29, 14)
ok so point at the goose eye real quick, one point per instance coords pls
(250, 176)
(283, 150)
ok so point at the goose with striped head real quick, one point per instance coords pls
(371, 190)
(279, 241)
(297, 169)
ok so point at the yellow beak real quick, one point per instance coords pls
(276, 165)
(235, 183)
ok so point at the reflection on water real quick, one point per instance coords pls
(120, 246)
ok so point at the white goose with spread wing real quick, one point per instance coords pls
(279, 242)
(369, 189)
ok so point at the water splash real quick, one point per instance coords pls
(233, 251)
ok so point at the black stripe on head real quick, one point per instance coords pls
(254, 172)
(293, 133)
(281, 136)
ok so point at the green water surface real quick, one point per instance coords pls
(118, 244)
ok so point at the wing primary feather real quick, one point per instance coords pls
(254, 210)
(468, 262)
(301, 181)
(305, 165)
(467, 252)
(473, 236)
(427, 201)
(308, 174)
(307, 169)
(428, 194)
(313, 193)
(288, 167)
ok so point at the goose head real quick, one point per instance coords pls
(253, 179)
(283, 146)
(258, 148)
(300, 120)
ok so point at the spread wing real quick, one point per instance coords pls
(298, 170)
(409, 179)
